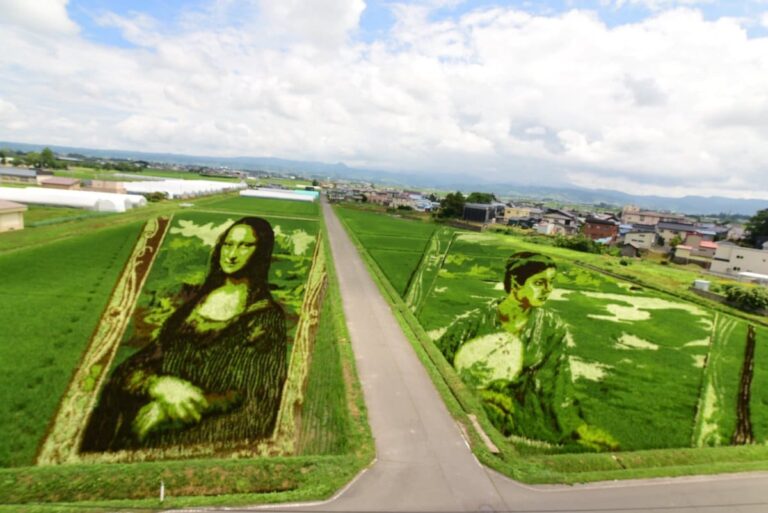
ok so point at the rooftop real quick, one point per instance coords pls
(10, 206)
(17, 171)
(60, 180)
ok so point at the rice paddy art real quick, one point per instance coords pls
(597, 363)
(221, 333)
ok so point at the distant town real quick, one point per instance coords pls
(720, 244)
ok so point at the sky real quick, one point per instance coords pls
(666, 97)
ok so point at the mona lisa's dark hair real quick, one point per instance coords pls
(522, 265)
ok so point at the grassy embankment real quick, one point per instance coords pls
(520, 461)
(334, 443)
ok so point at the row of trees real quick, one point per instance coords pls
(452, 205)
(44, 159)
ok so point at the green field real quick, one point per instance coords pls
(396, 244)
(62, 287)
(626, 342)
(265, 206)
(50, 301)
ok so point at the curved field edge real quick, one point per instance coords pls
(316, 475)
(550, 469)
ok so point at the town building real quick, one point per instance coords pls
(558, 222)
(642, 236)
(479, 212)
(11, 216)
(104, 186)
(732, 259)
(667, 231)
(18, 175)
(61, 182)
(596, 228)
(631, 214)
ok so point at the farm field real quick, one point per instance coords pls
(51, 299)
(265, 206)
(331, 440)
(650, 370)
(39, 215)
(396, 244)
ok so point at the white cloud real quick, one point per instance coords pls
(656, 5)
(671, 103)
(764, 20)
(37, 15)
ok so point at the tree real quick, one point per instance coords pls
(481, 197)
(675, 241)
(47, 159)
(757, 226)
(452, 205)
(32, 159)
(3, 157)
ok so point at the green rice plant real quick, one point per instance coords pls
(398, 266)
(364, 223)
(716, 410)
(433, 259)
(759, 388)
(265, 206)
(325, 417)
(51, 299)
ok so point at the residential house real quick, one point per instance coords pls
(642, 236)
(631, 214)
(513, 212)
(11, 216)
(629, 249)
(668, 231)
(596, 228)
(732, 259)
(558, 222)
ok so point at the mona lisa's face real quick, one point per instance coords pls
(237, 248)
(536, 289)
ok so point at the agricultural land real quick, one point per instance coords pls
(657, 369)
(58, 280)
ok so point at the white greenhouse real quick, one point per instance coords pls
(280, 194)
(175, 189)
(99, 201)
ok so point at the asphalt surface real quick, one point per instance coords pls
(423, 461)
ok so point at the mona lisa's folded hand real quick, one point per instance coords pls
(179, 399)
(150, 417)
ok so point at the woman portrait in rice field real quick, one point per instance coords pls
(216, 370)
(515, 354)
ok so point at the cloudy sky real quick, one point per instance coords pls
(662, 97)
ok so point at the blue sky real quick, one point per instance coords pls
(664, 97)
(377, 18)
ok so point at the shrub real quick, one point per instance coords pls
(578, 243)
(748, 299)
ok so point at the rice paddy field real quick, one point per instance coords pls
(650, 369)
(51, 301)
(265, 206)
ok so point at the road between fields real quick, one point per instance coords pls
(423, 462)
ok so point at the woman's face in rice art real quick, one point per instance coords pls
(237, 248)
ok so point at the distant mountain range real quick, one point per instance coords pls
(686, 204)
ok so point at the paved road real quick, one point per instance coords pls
(423, 462)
